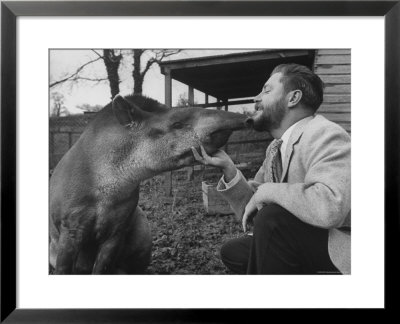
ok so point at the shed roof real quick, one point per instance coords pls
(238, 75)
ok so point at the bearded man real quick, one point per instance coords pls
(298, 205)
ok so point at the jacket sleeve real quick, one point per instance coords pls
(238, 195)
(323, 199)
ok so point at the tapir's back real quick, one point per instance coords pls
(73, 178)
(68, 182)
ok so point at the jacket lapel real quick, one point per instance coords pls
(294, 138)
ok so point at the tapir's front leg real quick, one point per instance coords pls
(135, 254)
(69, 245)
(106, 256)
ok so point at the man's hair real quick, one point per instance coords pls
(300, 77)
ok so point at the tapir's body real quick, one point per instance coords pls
(96, 225)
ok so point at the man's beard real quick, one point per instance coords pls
(271, 117)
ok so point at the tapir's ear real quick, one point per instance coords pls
(126, 112)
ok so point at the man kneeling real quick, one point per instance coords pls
(299, 200)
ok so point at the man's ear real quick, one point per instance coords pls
(294, 98)
(127, 113)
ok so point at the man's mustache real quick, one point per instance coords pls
(257, 106)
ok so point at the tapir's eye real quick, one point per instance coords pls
(156, 133)
(178, 125)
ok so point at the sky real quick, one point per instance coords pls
(64, 62)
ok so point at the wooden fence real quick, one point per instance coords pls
(63, 133)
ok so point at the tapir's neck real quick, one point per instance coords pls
(136, 172)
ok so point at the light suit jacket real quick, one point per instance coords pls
(315, 184)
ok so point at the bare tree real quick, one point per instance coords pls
(143, 60)
(139, 72)
(58, 107)
(112, 60)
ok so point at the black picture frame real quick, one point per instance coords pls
(10, 11)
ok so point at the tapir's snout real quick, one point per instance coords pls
(232, 121)
(218, 126)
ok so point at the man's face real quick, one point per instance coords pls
(270, 105)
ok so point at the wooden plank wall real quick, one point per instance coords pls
(334, 68)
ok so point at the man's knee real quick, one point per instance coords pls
(273, 217)
(227, 251)
(234, 254)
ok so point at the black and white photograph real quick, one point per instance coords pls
(200, 161)
(197, 161)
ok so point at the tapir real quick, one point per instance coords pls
(96, 225)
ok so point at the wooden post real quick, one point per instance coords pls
(190, 170)
(51, 153)
(69, 139)
(168, 88)
(219, 104)
(191, 96)
(226, 109)
(168, 102)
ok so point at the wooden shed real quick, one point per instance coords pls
(234, 79)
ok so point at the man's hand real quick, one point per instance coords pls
(253, 185)
(219, 159)
(249, 212)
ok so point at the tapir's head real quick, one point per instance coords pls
(160, 138)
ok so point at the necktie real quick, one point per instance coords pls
(274, 161)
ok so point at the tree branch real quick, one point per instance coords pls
(74, 74)
(89, 79)
(162, 54)
(98, 54)
(148, 66)
(159, 56)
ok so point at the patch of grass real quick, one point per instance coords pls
(185, 239)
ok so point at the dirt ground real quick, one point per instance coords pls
(185, 239)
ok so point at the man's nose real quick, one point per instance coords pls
(257, 98)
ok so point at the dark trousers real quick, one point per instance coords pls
(281, 244)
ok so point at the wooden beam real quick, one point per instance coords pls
(336, 79)
(337, 98)
(334, 108)
(337, 89)
(231, 58)
(334, 51)
(168, 88)
(332, 69)
(229, 103)
(191, 96)
(333, 59)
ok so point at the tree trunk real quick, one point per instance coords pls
(57, 109)
(112, 63)
(136, 73)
